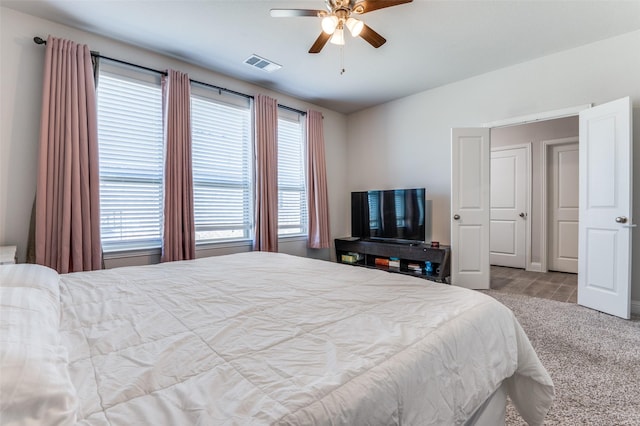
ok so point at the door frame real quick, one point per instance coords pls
(544, 240)
(485, 186)
(583, 113)
(541, 116)
(572, 111)
(529, 183)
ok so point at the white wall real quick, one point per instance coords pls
(407, 142)
(21, 86)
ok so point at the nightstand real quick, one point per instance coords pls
(7, 255)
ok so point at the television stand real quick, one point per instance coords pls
(411, 258)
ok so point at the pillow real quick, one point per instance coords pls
(34, 276)
(35, 384)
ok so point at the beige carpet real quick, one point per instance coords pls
(593, 359)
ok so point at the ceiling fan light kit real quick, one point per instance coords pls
(337, 37)
(329, 24)
(355, 26)
(337, 16)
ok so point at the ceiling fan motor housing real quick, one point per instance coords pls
(340, 4)
(338, 16)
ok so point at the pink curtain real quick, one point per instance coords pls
(178, 239)
(318, 201)
(266, 192)
(67, 235)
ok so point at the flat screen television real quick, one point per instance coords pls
(400, 215)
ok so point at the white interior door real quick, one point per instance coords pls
(509, 202)
(563, 208)
(470, 209)
(604, 265)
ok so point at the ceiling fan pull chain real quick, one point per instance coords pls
(342, 60)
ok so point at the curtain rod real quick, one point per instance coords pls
(292, 109)
(40, 40)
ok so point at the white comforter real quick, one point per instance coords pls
(260, 338)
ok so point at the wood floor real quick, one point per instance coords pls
(547, 285)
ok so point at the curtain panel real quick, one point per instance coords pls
(67, 219)
(318, 200)
(266, 191)
(178, 238)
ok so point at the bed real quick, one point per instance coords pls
(256, 339)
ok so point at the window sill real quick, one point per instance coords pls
(157, 251)
(223, 244)
(128, 253)
(286, 238)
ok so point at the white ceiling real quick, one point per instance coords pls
(429, 43)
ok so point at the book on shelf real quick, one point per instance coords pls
(414, 267)
(351, 257)
(382, 261)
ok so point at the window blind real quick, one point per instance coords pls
(292, 195)
(222, 165)
(374, 210)
(131, 157)
(399, 207)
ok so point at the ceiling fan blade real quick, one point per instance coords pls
(370, 5)
(322, 39)
(372, 37)
(292, 13)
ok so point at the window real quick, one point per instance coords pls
(399, 207)
(131, 156)
(222, 165)
(374, 210)
(130, 144)
(292, 195)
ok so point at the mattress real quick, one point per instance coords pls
(264, 338)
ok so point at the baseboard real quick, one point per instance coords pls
(635, 307)
(535, 267)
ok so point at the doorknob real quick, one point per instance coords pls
(456, 216)
(621, 219)
(523, 215)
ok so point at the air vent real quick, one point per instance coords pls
(262, 63)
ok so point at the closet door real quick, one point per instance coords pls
(509, 206)
(563, 208)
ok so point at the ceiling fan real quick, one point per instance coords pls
(339, 15)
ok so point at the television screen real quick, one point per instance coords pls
(396, 214)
